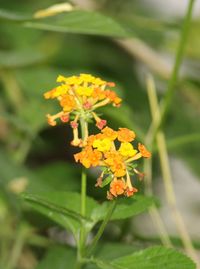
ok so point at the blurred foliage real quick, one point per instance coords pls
(38, 159)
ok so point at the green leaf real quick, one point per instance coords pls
(58, 175)
(64, 210)
(106, 181)
(18, 58)
(58, 257)
(77, 21)
(111, 251)
(80, 22)
(32, 198)
(126, 207)
(12, 16)
(155, 257)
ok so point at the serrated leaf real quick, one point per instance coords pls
(155, 257)
(62, 207)
(126, 207)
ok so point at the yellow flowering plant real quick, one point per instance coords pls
(112, 151)
(117, 163)
(79, 97)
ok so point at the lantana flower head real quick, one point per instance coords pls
(116, 155)
(79, 97)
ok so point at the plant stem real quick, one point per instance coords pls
(153, 211)
(102, 227)
(82, 237)
(83, 192)
(178, 60)
(167, 177)
(17, 247)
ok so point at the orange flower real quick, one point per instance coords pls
(117, 187)
(118, 168)
(142, 149)
(68, 102)
(88, 157)
(98, 94)
(125, 135)
(130, 192)
(109, 133)
(112, 157)
(112, 96)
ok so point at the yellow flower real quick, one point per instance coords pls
(87, 78)
(126, 149)
(86, 91)
(102, 144)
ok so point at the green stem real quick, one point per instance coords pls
(102, 227)
(83, 192)
(17, 248)
(82, 237)
(153, 211)
(179, 57)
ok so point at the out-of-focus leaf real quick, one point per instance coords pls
(155, 257)
(58, 257)
(14, 59)
(125, 207)
(185, 112)
(64, 203)
(78, 22)
(59, 176)
(13, 16)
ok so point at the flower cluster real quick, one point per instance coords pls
(115, 154)
(78, 97)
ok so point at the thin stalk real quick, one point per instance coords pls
(17, 247)
(102, 227)
(167, 177)
(153, 211)
(175, 72)
(82, 237)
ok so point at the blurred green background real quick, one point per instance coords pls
(36, 157)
